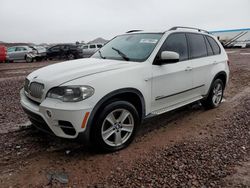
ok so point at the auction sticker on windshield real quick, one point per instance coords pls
(151, 41)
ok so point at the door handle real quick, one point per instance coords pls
(188, 69)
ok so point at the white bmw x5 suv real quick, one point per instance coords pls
(136, 75)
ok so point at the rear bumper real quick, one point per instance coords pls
(62, 122)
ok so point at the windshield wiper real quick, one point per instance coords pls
(100, 53)
(124, 56)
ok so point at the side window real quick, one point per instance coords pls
(214, 45)
(176, 42)
(197, 45)
(85, 47)
(12, 49)
(92, 46)
(19, 49)
(55, 48)
(209, 48)
(99, 45)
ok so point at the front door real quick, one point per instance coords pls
(172, 83)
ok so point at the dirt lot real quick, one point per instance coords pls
(189, 147)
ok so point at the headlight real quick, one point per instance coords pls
(71, 93)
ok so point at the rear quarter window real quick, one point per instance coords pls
(209, 48)
(215, 47)
(197, 45)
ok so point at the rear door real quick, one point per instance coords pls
(200, 62)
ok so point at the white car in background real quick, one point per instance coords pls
(89, 49)
(137, 75)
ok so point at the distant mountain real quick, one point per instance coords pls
(98, 40)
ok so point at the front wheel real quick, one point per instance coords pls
(215, 95)
(115, 127)
(28, 59)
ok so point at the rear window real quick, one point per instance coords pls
(197, 45)
(214, 45)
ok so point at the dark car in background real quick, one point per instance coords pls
(3, 53)
(64, 51)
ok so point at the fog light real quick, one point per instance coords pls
(48, 113)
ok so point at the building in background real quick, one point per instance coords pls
(234, 38)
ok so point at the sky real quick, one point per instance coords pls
(58, 21)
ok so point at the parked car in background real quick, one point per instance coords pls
(64, 51)
(3, 53)
(21, 53)
(41, 52)
(89, 49)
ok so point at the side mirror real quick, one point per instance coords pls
(167, 57)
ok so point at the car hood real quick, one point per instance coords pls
(61, 73)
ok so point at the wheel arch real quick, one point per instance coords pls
(128, 94)
(221, 75)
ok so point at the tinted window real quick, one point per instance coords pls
(99, 45)
(209, 49)
(197, 45)
(176, 42)
(214, 45)
(65, 47)
(55, 48)
(92, 46)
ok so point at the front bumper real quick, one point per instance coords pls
(56, 117)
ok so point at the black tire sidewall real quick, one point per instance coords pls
(209, 100)
(28, 59)
(96, 136)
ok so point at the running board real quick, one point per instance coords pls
(175, 106)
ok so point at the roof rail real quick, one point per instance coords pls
(132, 31)
(182, 27)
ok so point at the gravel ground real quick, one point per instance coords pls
(200, 163)
(189, 147)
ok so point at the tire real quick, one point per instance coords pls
(215, 95)
(71, 57)
(111, 132)
(28, 59)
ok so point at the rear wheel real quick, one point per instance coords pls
(115, 127)
(71, 56)
(215, 95)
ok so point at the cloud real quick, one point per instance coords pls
(69, 21)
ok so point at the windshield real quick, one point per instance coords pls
(131, 47)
